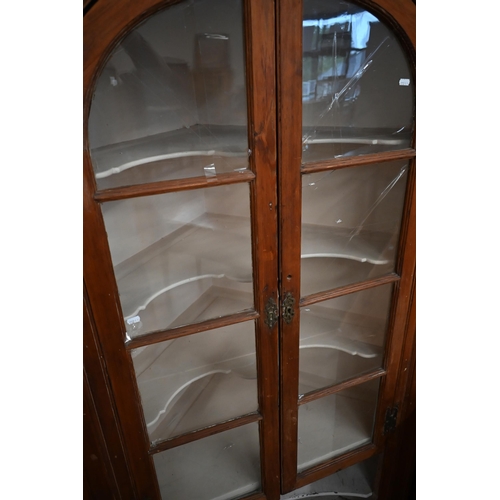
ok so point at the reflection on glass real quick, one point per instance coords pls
(335, 424)
(342, 338)
(350, 224)
(357, 86)
(171, 100)
(192, 382)
(181, 257)
(222, 466)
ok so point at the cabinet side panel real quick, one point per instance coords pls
(105, 467)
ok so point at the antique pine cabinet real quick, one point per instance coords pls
(249, 246)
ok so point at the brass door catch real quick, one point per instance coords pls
(288, 308)
(271, 313)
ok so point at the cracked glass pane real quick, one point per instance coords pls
(357, 85)
(351, 220)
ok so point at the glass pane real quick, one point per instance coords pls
(357, 481)
(171, 100)
(199, 380)
(350, 224)
(181, 257)
(222, 466)
(357, 85)
(342, 338)
(335, 424)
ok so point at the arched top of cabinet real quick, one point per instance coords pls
(104, 26)
(109, 21)
(400, 14)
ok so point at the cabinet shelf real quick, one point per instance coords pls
(324, 143)
(335, 424)
(212, 249)
(204, 396)
(341, 343)
(355, 481)
(321, 241)
(190, 148)
(334, 349)
(234, 452)
(210, 258)
(192, 382)
(171, 155)
(176, 400)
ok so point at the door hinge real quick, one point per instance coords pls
(271, 313)
(391, 418)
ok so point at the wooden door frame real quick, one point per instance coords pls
(105, 24)
(400, 16)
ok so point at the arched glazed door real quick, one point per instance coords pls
(248, 240)
(347, 167)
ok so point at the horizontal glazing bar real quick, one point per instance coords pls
(331, 466)
(203, 433)
(326, 391)
(351, 161)
(345, 290)
(182, 331)
(154, 188)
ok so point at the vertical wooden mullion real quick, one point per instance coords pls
(261, 85)
(289, 55)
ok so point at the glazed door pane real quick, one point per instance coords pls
(335, 424)
(181, 258)
(357, 89)
(171, 101)
(223, 466)
(191, 382)
(351, 221)
(343, 338)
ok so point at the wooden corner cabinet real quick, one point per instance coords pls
(249, 248)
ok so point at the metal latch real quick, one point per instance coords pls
(391, 418)
(288, 309)
(271, 313)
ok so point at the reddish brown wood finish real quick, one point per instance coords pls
(171, 186)
(256, 496)
(400, 448)
(326, 391)
(406, 389)
(104, 27)
(402, 20)
(274, 134)
(370, 159)
(261, 71)
(203, 433)
(101, 430)
(345, 290)
(401, 307)
(330, 467)
(182, 331)
(98, 473)
(289, 53)
(103, 296)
